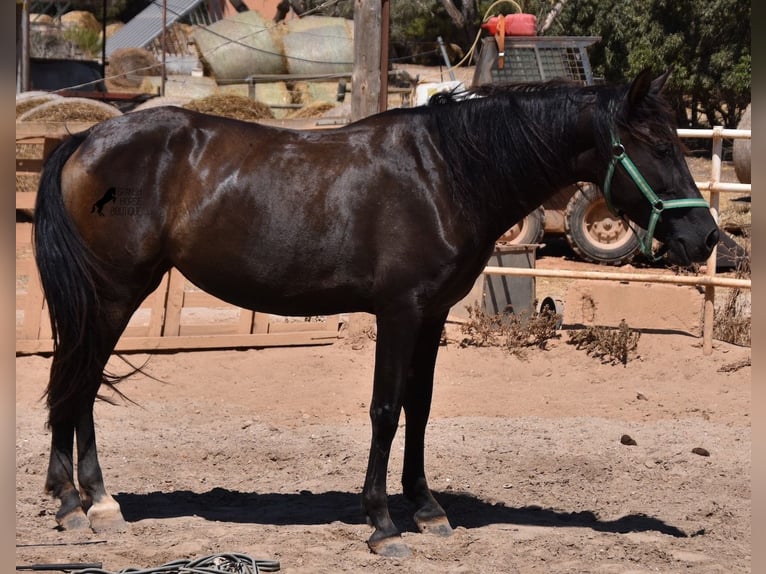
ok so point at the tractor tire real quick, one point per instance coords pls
(594, 233)
(529, 230)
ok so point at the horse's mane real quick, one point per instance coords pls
(531, 130)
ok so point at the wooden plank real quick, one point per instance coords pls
(245, 324)
(297, 326)
(33, 304)
(148, 344)
(29, 165)
(157, 301)
(261, 323)
(202, 299)
(26, 199)
(28, 130)
(23, 238)
(174, 304)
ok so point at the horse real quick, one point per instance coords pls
(395, 215)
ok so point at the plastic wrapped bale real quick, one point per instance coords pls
(741, 150)
(239, 46)
(318, 45)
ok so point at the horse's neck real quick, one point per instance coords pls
(515, 175)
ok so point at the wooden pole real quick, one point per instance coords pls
(22, 46)
(385, 24)
(365, 77)
(709, 312)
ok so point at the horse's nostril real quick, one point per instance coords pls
(712, 238)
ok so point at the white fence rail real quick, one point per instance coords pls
(710, 281)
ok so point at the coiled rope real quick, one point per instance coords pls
(228, 563)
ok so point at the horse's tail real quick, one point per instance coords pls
(70, 274)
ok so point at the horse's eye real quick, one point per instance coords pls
(663, 150)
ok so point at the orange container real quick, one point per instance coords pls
(515, 24)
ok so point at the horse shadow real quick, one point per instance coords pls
(310, 508)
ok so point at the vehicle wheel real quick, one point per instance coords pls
(528, 230)
(594, 232)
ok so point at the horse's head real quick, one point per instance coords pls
(647, 178)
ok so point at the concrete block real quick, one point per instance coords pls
(648, 306)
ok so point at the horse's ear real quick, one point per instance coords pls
(658, 84)
(640, 88)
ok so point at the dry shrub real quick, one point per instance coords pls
(231, 106)
(611, 345)
(733, 318)
(512, 332)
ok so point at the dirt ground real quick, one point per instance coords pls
(263, 452)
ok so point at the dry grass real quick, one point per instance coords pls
(511, 332)
(611, 345)
(231, 106)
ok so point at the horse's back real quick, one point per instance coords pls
(350, 214)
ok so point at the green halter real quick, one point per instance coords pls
(658, 206)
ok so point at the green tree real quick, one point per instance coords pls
(707, 44)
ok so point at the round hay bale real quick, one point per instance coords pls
(741, 149)
(128, 66)
(181, 85)
(239, 46)
(72, 109)
(312, 110)
(35, 18)
(112, 28)
(80, 19)
(177, 101)
(231, 106)
(318, 45)
(32, 100)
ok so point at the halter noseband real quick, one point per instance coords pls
(619, 155)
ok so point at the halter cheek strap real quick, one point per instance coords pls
(620, 156)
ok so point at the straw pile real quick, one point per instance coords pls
(231, 106)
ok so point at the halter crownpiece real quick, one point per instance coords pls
(619, 155)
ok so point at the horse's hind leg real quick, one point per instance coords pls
(60, 480)
(71, 412)
(429, 516)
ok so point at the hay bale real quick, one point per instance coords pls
(35, 18)
(80, 19)
(312, 110)
(318, 45)
(239, 46)
(231, 106)
(741, 149)
(112, 28)
(24, 104)
(191, 87)
(128, 66)
(71, 109)
(177, 101)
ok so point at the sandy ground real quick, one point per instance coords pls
(264, 451)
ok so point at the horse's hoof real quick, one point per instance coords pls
(389, 547)
(437, 526)
(74, 520)
(105, 515)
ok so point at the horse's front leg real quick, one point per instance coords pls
(429, 516)
(103, 510)
(395, 344)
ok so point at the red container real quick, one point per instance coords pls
(515, 24)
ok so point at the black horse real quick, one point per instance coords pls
(394, 215)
